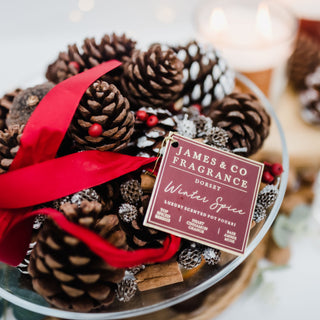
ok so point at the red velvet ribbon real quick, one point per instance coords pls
(36, 176)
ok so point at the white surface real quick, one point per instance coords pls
(33, 32)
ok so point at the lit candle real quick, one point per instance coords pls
(254, 38)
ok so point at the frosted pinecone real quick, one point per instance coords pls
(187, 128)
(217, 137)
(126, 289)
(38, 221)
(131, 191)
(76, 198)
(203, 125)
(267, 196)
(190, 257)
(259, 213)
(127, 212)
(211, 255)
(136, 269)
(23, 266)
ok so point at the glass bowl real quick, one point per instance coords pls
(157, 299)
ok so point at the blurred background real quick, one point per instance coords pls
(285, 286)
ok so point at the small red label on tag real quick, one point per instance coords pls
(205, 195)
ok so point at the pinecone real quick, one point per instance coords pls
(103, 120)
(187, 128)
(303, 61)
(310, 99)
(74, 61)
(211, 256)
(5, 105)
(216, 137)
(127, 212)
(267, 196)
(9, 146)
(126, 289)
(190, 257)
(138, 236)
(63, 269)
(259, 213)
(77, 198)
(203, 124)
(245, 120)
(136, 269)
(110, 195)
(146, 140)
(110, 47)
(131, 191)
(207, 77)
(25, 102)
(152, 78)
(23, 266)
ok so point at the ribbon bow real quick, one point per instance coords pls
(36, 176)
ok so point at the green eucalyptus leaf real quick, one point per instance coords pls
(282, 231)
(23, 314)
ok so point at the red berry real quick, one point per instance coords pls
(276, 169)
(95, 130)
(142, 115)
(198, 106)
(74, 64)
(152, 121)
(267, 177)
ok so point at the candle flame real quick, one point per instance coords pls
(263, 22)
(218, 20)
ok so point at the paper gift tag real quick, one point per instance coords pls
(205, 195)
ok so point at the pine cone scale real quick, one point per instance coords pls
(74, 278)
(245, 120)
(104, 105)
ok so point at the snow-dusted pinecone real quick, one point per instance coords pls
(147, 137)
(268, 195)
(206, 75)
(190, 257)
(211, 255)
(76, 198)
(259, 213)
(126, 289)
(138, 236)
(127, 212)
(187, 128)
(217, 137)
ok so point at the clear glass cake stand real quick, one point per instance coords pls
(161, 298)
